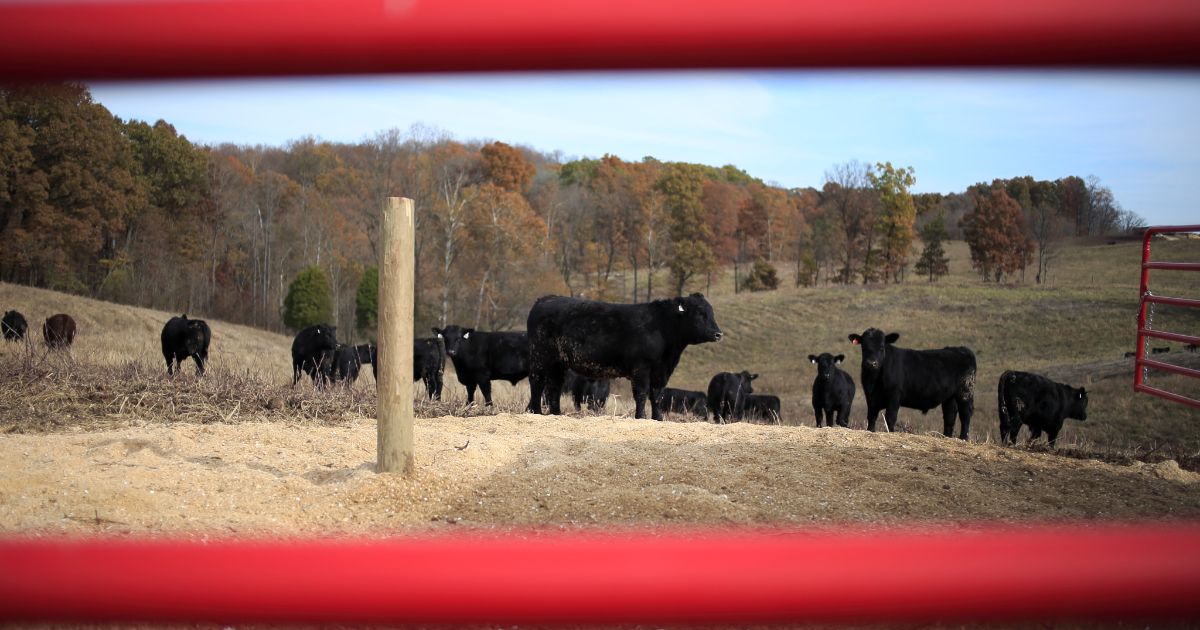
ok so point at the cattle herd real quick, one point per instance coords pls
(58, 331)
(578, 346)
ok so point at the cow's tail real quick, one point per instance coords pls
(1002, 401)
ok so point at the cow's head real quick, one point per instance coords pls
(1078, 409)
(456, 338)
(744, 385)
(324, 338)
(695, 319)
(825, 363)
(874, 346)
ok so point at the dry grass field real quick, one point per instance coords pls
(100, 439)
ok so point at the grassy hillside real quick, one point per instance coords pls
(1075, 328)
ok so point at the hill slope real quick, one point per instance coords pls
(104, 441)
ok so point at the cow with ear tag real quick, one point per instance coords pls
(313, 352)
(1038, 402)
(640, 342)
(832, 390)
(480, 357)
(894, 377)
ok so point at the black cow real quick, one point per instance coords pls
(429, 363)
(482, 357)
(895, 377)
(1191, 347)
(343, 365)
(1039, 402)
(763, 407)
(1162, 350)
(182, 338)
(1130, 355)
(641, 342)
(14, 326)
(59, 331)
(312, 352)
(685, 401)
(727, 394)
(832, 390)
(590, 391)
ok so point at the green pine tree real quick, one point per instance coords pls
(308, 300)
(762, 277)
(933, 261)
(366, 301)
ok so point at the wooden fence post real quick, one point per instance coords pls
(395, 407)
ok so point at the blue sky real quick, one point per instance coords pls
(1138, 132)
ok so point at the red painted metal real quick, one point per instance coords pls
(1143, 329)
(1147, 571)
(93, 39)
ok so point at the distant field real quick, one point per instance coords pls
(1076, 329)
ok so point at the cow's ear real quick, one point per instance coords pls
(839, 358)
(812, 359)
(1082, 393)
(679, 305)
(753, 376)
(891, 338)
(436, 331)
(467, 332)
(855, 339)
(697, 295)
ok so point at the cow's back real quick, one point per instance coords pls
(927, 378)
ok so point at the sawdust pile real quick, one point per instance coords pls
(279, 478)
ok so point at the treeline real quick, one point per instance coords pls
(135, 213)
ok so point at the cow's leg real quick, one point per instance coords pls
(949, 412)
(554, 384)
(1052, 435)
(295, 373)
(169, 359)
(872, 415)
(437, 391)
(658, 382)
(537, 388)
(1035, 432)
(891, 414)
(817, 411)
(639, 381)
(485, 388)
(471, 393)
(199, 359)
(966, 409)
(843, 419)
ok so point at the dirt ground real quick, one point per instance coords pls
(279, 479)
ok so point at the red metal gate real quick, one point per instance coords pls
(1144, 331)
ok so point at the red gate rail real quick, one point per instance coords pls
(1135, 571)
(1143, 326)
(139, 39)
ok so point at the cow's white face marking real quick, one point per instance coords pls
(680, 308)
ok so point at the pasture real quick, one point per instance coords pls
(102, 440)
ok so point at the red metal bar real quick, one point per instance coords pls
(1174, 266)
(1173, 301)
(990, 574)
(1168, 336)
(1143, 329)
(1169, 367)
(1171, 396)
(138, 39)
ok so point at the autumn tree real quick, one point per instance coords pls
(846, 193)
(895, 219)
(308, 301)
(506, 167)
(682, 187)
(933, 261)
(996, 234)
